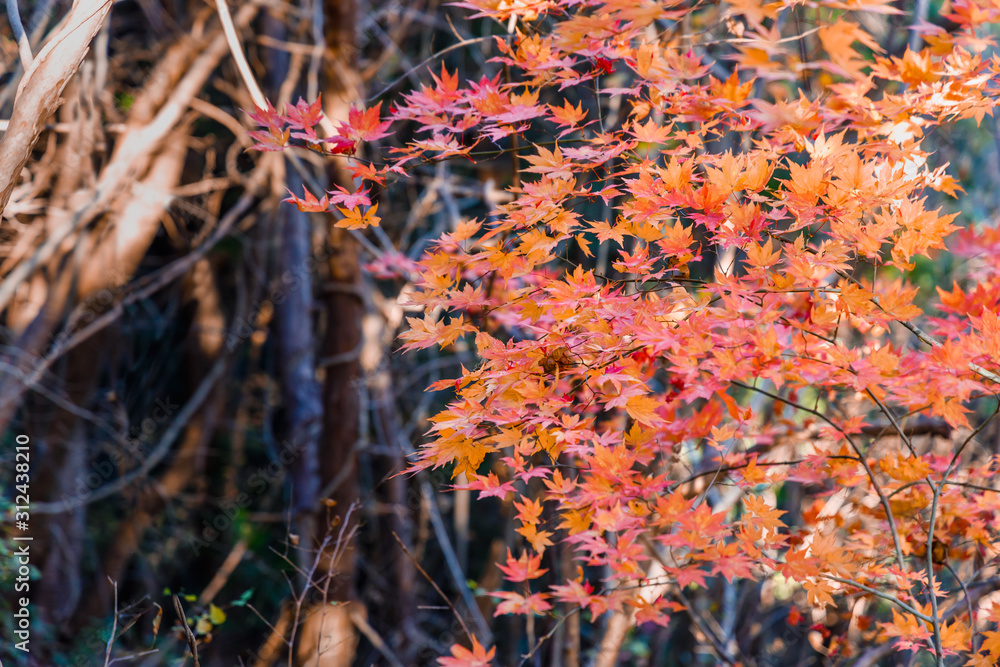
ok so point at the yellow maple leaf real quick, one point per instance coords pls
(753, 474)
(643, 410)
(355, 219)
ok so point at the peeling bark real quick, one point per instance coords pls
(39, 92)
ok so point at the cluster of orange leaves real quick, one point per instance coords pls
(595, 391)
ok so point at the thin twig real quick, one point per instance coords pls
(192, 642)
(135, 656)
(920, 334)
(885, 596)
(871, 657)
(544, 638)
(114, 626)
(430, 580)
(892, 420)
(454, 569)
(716, 642)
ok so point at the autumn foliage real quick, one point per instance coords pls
(701, 353)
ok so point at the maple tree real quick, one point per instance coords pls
(700, 305)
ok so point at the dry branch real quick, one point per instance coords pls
(134, 150)
(39, 93)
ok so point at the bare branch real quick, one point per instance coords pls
(38, 95)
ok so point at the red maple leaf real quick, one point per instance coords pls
(348, 199)
(463, 657)
(305, 116)
(365, 125)
(522, 569)
(308, 202)
(338, 145)
(266, 117)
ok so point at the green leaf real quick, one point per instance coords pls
(244, 598)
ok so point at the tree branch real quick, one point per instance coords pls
(38, 95)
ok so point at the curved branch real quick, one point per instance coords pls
(38, 95)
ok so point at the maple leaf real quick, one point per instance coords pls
(489, 486)
(478, 656)
(955, 636)
(763, 514)
(837, 38)
(567, 116)
(951, 410)
(855, 298)
(530, 511)
(520, 108)
(427, 332)
(308, 202)
(524, 568)
(550, 163)
(355, 219)
(515, 603)
(989, 651)
(348, 199)
(904, 468)
(444, 145)
(365, 125)
(819, 593)
(305, 116)
(910, 632)
(651, 133)
(730, 561)
(643, 410)
(755, 11)
(274, 139)
(574, 592)
(575, 522)
(268, 117)
(763, 256)
(687, 576)
(752, 474)
(338, 145)
(367, 172)
(897, 302)
(653, 612)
